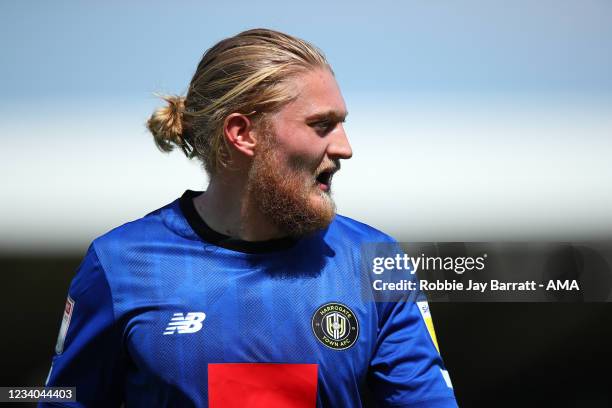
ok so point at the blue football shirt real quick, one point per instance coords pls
(164, 311)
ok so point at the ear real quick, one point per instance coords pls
(239, 132)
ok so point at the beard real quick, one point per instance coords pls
(284, 193)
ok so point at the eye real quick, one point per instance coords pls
(323, 127)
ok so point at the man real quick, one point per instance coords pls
(248, 294)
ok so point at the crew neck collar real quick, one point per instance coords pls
(211, 236)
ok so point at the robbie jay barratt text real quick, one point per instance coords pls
(493, 285)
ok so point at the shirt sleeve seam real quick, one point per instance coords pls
(106, 280)
(115, 328)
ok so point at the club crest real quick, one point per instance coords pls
(335, 325)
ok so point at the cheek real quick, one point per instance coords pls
(306, 156)
(300, 148)
(301, 163)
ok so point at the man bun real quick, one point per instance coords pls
(249, 73)
(166, 124)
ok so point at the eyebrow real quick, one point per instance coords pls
(328, 115)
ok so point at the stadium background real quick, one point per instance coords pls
(470, 121)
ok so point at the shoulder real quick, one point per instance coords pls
(354, 230)
(162, 226)
(134, 229)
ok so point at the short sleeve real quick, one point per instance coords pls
(406, 369)
(88, 353)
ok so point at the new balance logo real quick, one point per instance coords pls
(185, 324)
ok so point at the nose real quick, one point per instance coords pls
(339, 146)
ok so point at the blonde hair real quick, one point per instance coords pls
(248, 74)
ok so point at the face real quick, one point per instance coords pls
(301, 148)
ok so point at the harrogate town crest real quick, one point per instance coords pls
(335, 325)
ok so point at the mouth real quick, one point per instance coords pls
(324, 178)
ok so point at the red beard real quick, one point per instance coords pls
(285, 193)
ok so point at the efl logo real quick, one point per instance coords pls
(185, 324)
(426, 314)
(59, 345)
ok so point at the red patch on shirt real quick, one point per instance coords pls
(262, 385)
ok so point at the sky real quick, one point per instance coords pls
(470, 120)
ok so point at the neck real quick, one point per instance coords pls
(227, 207)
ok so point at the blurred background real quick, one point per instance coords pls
(469, 121)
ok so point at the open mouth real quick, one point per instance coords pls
(324, 179)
